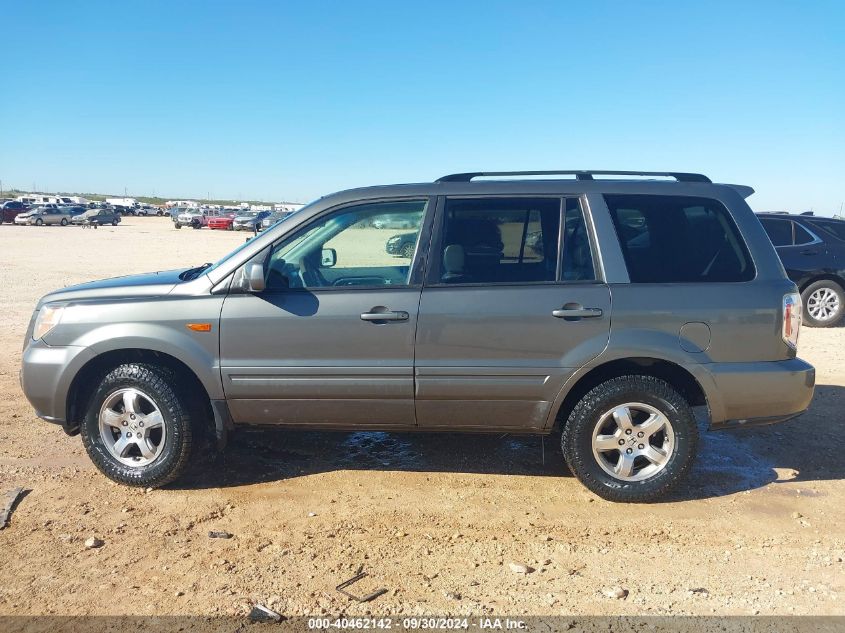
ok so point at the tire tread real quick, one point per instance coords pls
(582, 419)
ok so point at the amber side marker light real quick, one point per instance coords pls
(199, 327)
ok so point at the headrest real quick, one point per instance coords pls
(453, 258)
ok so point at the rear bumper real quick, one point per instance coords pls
(753, 394)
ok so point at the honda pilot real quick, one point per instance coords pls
(609, 308)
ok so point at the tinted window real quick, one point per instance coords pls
(802, 236)
(674, 239)
(837, 229)
(500, 240)
(780, 231)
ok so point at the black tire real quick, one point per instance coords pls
(407, 251)
(196, 225)
(39, 222)
(177, 226)
(64, 222)
(175, 408)
(822, 285)
(114, 222)
(577, 438)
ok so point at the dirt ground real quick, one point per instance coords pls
(435, 519)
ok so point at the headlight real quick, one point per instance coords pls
(48, 318)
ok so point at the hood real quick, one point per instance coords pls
(131, 286)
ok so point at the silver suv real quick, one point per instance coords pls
(605, 309)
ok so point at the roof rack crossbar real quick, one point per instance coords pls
(580, 174)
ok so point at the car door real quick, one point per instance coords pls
(329, 341)
(803, 253)
(512, 307)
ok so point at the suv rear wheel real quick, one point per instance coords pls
(137, 429)
(632, 438)
(823, 302)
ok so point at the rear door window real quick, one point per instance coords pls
(500, 240)
(679, 239)
(779, 231)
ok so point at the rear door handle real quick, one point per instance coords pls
(384, 316)
(577, 313)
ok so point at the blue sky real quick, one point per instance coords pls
(284, 100)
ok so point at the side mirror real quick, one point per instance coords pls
(328, 258)
(255, 277)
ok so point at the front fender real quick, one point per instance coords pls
(156, 324)
(156, 338)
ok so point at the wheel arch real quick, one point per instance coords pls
(86, 379)
(676, 375)
(806, 283)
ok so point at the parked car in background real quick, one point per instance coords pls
(402, 245)
(275, 216)
(249, 220)
(394, 221)
(10, 209)
(812, 250)
(122, 210)
(74, 209)
(98, 217)
(473, 334)
(222, 221)
(45, 215)
(195, 218)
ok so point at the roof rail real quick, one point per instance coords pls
(579, 174)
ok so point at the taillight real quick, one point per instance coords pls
(791, 319)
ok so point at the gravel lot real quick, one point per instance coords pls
(435, 519)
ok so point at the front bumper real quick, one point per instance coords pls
(751, 394)
(46, 376)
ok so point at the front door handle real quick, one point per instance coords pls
(577, 313)
(387, 315)
(809, 251)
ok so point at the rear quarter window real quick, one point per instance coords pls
(836, 229)
(679, 239)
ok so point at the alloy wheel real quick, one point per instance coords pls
(633, 441)
(823, 304)
(132, 427)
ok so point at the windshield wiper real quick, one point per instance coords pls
(193, 273)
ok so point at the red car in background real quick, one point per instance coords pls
(10, 210)
(221, 221)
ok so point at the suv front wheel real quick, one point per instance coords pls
(632, 438)
(137, 429)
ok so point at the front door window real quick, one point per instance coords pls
(364, 245)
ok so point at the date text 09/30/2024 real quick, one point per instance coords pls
(416, 623)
